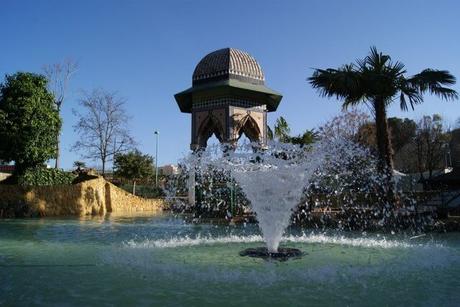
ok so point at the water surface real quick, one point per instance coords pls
(166, 262)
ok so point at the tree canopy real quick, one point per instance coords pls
(282, 130)
(29, 122)
(282, 133)
(134, 165)
(308, 137)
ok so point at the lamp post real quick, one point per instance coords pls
(157, 134)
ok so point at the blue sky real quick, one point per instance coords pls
(147, 50)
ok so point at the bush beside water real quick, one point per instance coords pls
(41, 176)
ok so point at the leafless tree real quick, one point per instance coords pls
(102, 127)
(346, 125)
(59, 75)
(430, 143)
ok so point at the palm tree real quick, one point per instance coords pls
(282, 130)
(377, 81)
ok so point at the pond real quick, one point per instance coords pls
(165, 261)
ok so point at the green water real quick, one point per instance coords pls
(163, 261)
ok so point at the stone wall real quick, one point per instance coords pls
(91, 197)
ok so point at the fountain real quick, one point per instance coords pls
(166, 256)
(273, 179)
(277, 178)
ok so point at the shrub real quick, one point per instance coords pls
(46, 176)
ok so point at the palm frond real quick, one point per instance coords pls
(396, 69)
(361, 64)
(410, 93)
(432, 80)
(444, 92)
(352, 102)
(376, 60)
(403, 103)
(342, 83)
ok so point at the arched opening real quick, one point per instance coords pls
(248, 127)
(211, 126)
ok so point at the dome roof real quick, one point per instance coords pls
(228, 63)
(228, 73)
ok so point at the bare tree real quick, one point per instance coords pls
(102, 127)
(347, 125)
(430, 143)
(59, 75)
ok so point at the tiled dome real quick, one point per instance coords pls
(228, 63)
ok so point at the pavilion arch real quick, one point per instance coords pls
(250, 128)
(211, 125)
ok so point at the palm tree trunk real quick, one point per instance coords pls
(385, 162)
(383, 138)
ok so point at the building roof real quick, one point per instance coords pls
(231, 72)
(228, 63)
(265, 95)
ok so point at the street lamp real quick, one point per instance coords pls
(157, 134)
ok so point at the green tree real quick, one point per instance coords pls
(282, 133)
(282, 130)
(133, 166)
(377, 82)
(306, 138)
(29, 122)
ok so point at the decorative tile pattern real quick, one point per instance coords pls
(228, 62)
(226, 101)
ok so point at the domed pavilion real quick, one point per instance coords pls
(228, 98)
